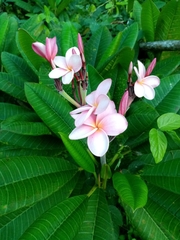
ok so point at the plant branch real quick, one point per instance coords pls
(167, 45)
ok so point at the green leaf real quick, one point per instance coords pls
(168, 22)
(167, 95)
(168, 122)
(63, 4)
(18, 68)
(60, 222)
(24, 43)
(137, 8)
(164, 175)
(138, 122)
(4, 24)
(131, 189)
(26, 180)
(12, 86)
(69, 37)
(174, 137)
(10, 223)
(94, 78)
(79, 153)
(149, 17)
(158, 144)
(97, 45)
(97, 223)
(159, 219)
(52, 108)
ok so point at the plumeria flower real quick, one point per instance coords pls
(145, 84)
(67, 65)
(97, 101)
(97, 128)
(125, 102)
(47, 51)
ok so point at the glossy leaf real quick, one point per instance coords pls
(52, 108)
(26, 180)
(149, 17)
(131, 189)
(60, 222)
(97, 223)
(94, 78)
(168, 122)
(9, 223)
(79, 153)
(164, 175)
(4, 24)
(158, 144)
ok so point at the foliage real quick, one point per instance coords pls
(55, 186)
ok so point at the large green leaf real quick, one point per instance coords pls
(167, 95)
(69, 37)
(79, 153)
(10, 224)
(158, 144)
(12, 86)
(164, 175)
(18, 68)
(26, 180)
(94, 78)
(168, 122)
(97, 223)
(52, 108)
(4, 24)
(149, 17)
(60, 222)
(24, 43)
(97, 45)
(131, 189)
(160, 218)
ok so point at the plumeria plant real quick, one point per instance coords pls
(89, 132)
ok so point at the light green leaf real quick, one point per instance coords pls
(26, 180)
(164, 175)
(158, 144)
(97, 223)
(149, 17)
(79, 153)
(131, 189)
(51, 107)
(168, 122)
(60, 222)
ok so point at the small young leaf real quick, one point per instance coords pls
(168, 122)
(131, 189)
(158, 144)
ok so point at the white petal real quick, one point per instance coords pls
(39, 48)
(113, 124)
(82, 117)
(102, 103)
(98, 143)
(103, 87)
(60, 62)
(57, 73)
(152, 81)
(81, 132)
(138, 89)
(74, 63)
(80, 109)
(67, 78)
(90, 99)
(149, 92)
(142, 69)
(69, 52)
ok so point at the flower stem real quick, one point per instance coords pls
(103, 159)
(70, 99)
(93, 189)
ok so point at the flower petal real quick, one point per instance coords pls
(152, 81)
(151, 67)
(109, 110)
(113, 124)
(39, 48)
(67, 78)
(60, 62)
(82, 117)
(51, 48)
(102, 103)
(149, 92)
(81, 132)
(138, 89)
(90, 99)
(142, 69)
(57, 73)
(70, 51)
(103, 87)
(74, 62)
(98, 143)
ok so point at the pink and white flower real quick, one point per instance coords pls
(145, 84)
(47, 51)
(97, 128)
(67, 66)
(125, 102)
(97, 102)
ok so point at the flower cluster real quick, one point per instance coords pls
(96, 117)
